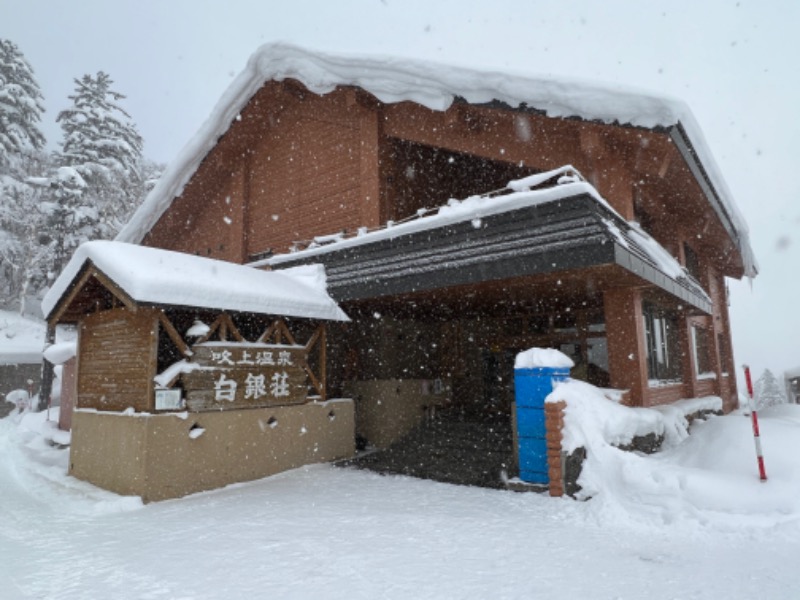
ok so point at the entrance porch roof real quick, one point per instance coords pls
(524, 233)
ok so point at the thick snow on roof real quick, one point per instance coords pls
(156, 276)
(792, 373)
(435, 86)
(61, 352)
(473, 208)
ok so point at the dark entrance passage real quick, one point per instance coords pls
(451, 450)
(498, 383)
(400, 354)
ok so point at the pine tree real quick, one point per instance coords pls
(22, 251)
(102, 145)
(767, 391)
(99, 138)
(71, 221)
(20, 105)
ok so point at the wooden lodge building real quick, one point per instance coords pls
(462, 217)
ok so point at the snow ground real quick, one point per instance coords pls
(694, 523)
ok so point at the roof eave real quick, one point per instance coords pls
(686, 148)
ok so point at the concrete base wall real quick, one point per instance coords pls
(388, 409)
(155, 457)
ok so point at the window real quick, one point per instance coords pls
(724, 360)
(692, 261)
(661, 340)
(701, 344)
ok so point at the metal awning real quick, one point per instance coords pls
(567, 233)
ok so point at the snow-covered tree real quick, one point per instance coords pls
(103, 147)
(71, 220)
(20, 105)
(24, 246)
(768, 391)
(24, 242)
(100, 140)
(50, 203)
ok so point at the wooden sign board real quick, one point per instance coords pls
(245, 375)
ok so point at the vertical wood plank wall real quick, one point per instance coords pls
(117, 360)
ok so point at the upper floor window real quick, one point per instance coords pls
(692, 262)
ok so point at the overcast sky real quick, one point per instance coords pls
(733, 62)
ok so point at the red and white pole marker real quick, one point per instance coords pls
(754, 414)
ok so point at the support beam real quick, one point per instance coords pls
(370, 176)
(173, 334)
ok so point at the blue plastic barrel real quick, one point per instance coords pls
(531, 387)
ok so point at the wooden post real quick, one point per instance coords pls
(627, 354)
(323, 360)
(46, 388)
(554, 423)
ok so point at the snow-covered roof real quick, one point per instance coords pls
(522, 194)
(551, 358)
(21, 339)
(155, 276)
(455, 211)
(791, 373)
(61, 352)
(434, 86)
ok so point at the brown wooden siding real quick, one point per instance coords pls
(664, 395)
(306, 184)
(208, 219)
(420, 176)
(706, 387)
(116, 360)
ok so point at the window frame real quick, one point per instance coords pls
(702, 336)
(662, 345)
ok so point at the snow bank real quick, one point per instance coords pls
(709, 477)
(594, 418)
(21, 399)
(45, 425)
(158, 276)
(434, 86)
(35, 459)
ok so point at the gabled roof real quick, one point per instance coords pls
(162, 277)
(437, 86)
